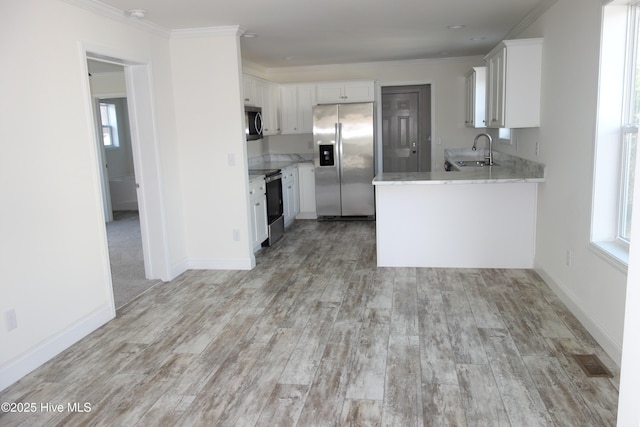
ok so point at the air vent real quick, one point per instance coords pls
(592, 366)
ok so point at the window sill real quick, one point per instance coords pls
(615, 252)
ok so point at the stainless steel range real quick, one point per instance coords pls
(275, 210)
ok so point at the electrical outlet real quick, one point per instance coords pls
(10, 319)
(537, 148)
(568, 257)
(236, 234)
(231, 159)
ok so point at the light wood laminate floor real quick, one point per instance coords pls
(316, 335)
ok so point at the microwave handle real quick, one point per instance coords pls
(257, 121)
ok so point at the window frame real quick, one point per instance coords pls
(617, 74)
(111, 125)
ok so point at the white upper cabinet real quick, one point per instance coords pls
(514, 74)
(475, 92)
(268, 97)
(249, 90)
(343, 92)
(297, 102)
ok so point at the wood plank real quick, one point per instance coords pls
(284, 406)
(369, 362)
(437, 356)
(442, 405)
(463, 332)
(361, 413)
(565, 408)
(521, 399)
(325, 400)
(403, 391)
(404, 316)
(480, 396)
(305, 358)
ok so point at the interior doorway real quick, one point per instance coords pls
(406, 128)
(132, 254)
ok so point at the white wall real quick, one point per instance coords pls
(209, 114)
(592, 286)
(446, 77)
(55, 270)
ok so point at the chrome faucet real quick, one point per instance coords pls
(490, 156)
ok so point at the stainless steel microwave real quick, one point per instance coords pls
(253, 122)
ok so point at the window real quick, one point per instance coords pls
(630, 123)
(618, 124)
(109, 125)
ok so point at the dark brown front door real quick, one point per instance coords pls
(405, 129)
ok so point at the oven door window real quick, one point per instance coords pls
(274, 200)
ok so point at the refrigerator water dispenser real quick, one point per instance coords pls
(326, 155)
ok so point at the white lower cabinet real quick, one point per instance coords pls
(290, 194)
(307, 186)
(258, 201)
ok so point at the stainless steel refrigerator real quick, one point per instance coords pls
(344, 160)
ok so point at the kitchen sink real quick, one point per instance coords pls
(473, 163)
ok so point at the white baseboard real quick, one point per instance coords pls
(179, 267)
(14, 370)
(606, 341)
(222, 264)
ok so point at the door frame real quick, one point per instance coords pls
(146, 159)
(393, 83)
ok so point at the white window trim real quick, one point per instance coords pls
(605, 213)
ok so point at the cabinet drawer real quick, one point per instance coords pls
(257, 188)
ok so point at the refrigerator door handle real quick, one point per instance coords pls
(339, 148)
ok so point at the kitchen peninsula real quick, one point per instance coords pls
(472, 217)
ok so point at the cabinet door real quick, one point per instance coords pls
(469, 101)
(305, 100)
(297, 108)
(495, 94)
(289, 109)
(249, 90)
(273, 116)
(259, 217)
(307, 190)
(359, 92)
(328, 93)
(339, 92)
(290, 197)
(475, 92)
(267, 98)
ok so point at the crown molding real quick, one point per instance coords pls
(223, 31)
(531, 17)
(119, 15)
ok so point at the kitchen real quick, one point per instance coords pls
(190, 167)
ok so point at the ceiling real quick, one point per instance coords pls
(311, 32)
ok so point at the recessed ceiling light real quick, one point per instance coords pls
(455, 27)
(249, 35)
(136, 13)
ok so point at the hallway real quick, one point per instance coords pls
(126, 256)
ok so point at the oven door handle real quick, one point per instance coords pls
(273, 177)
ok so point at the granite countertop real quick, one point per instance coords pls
(508, 169)
(279, 161)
